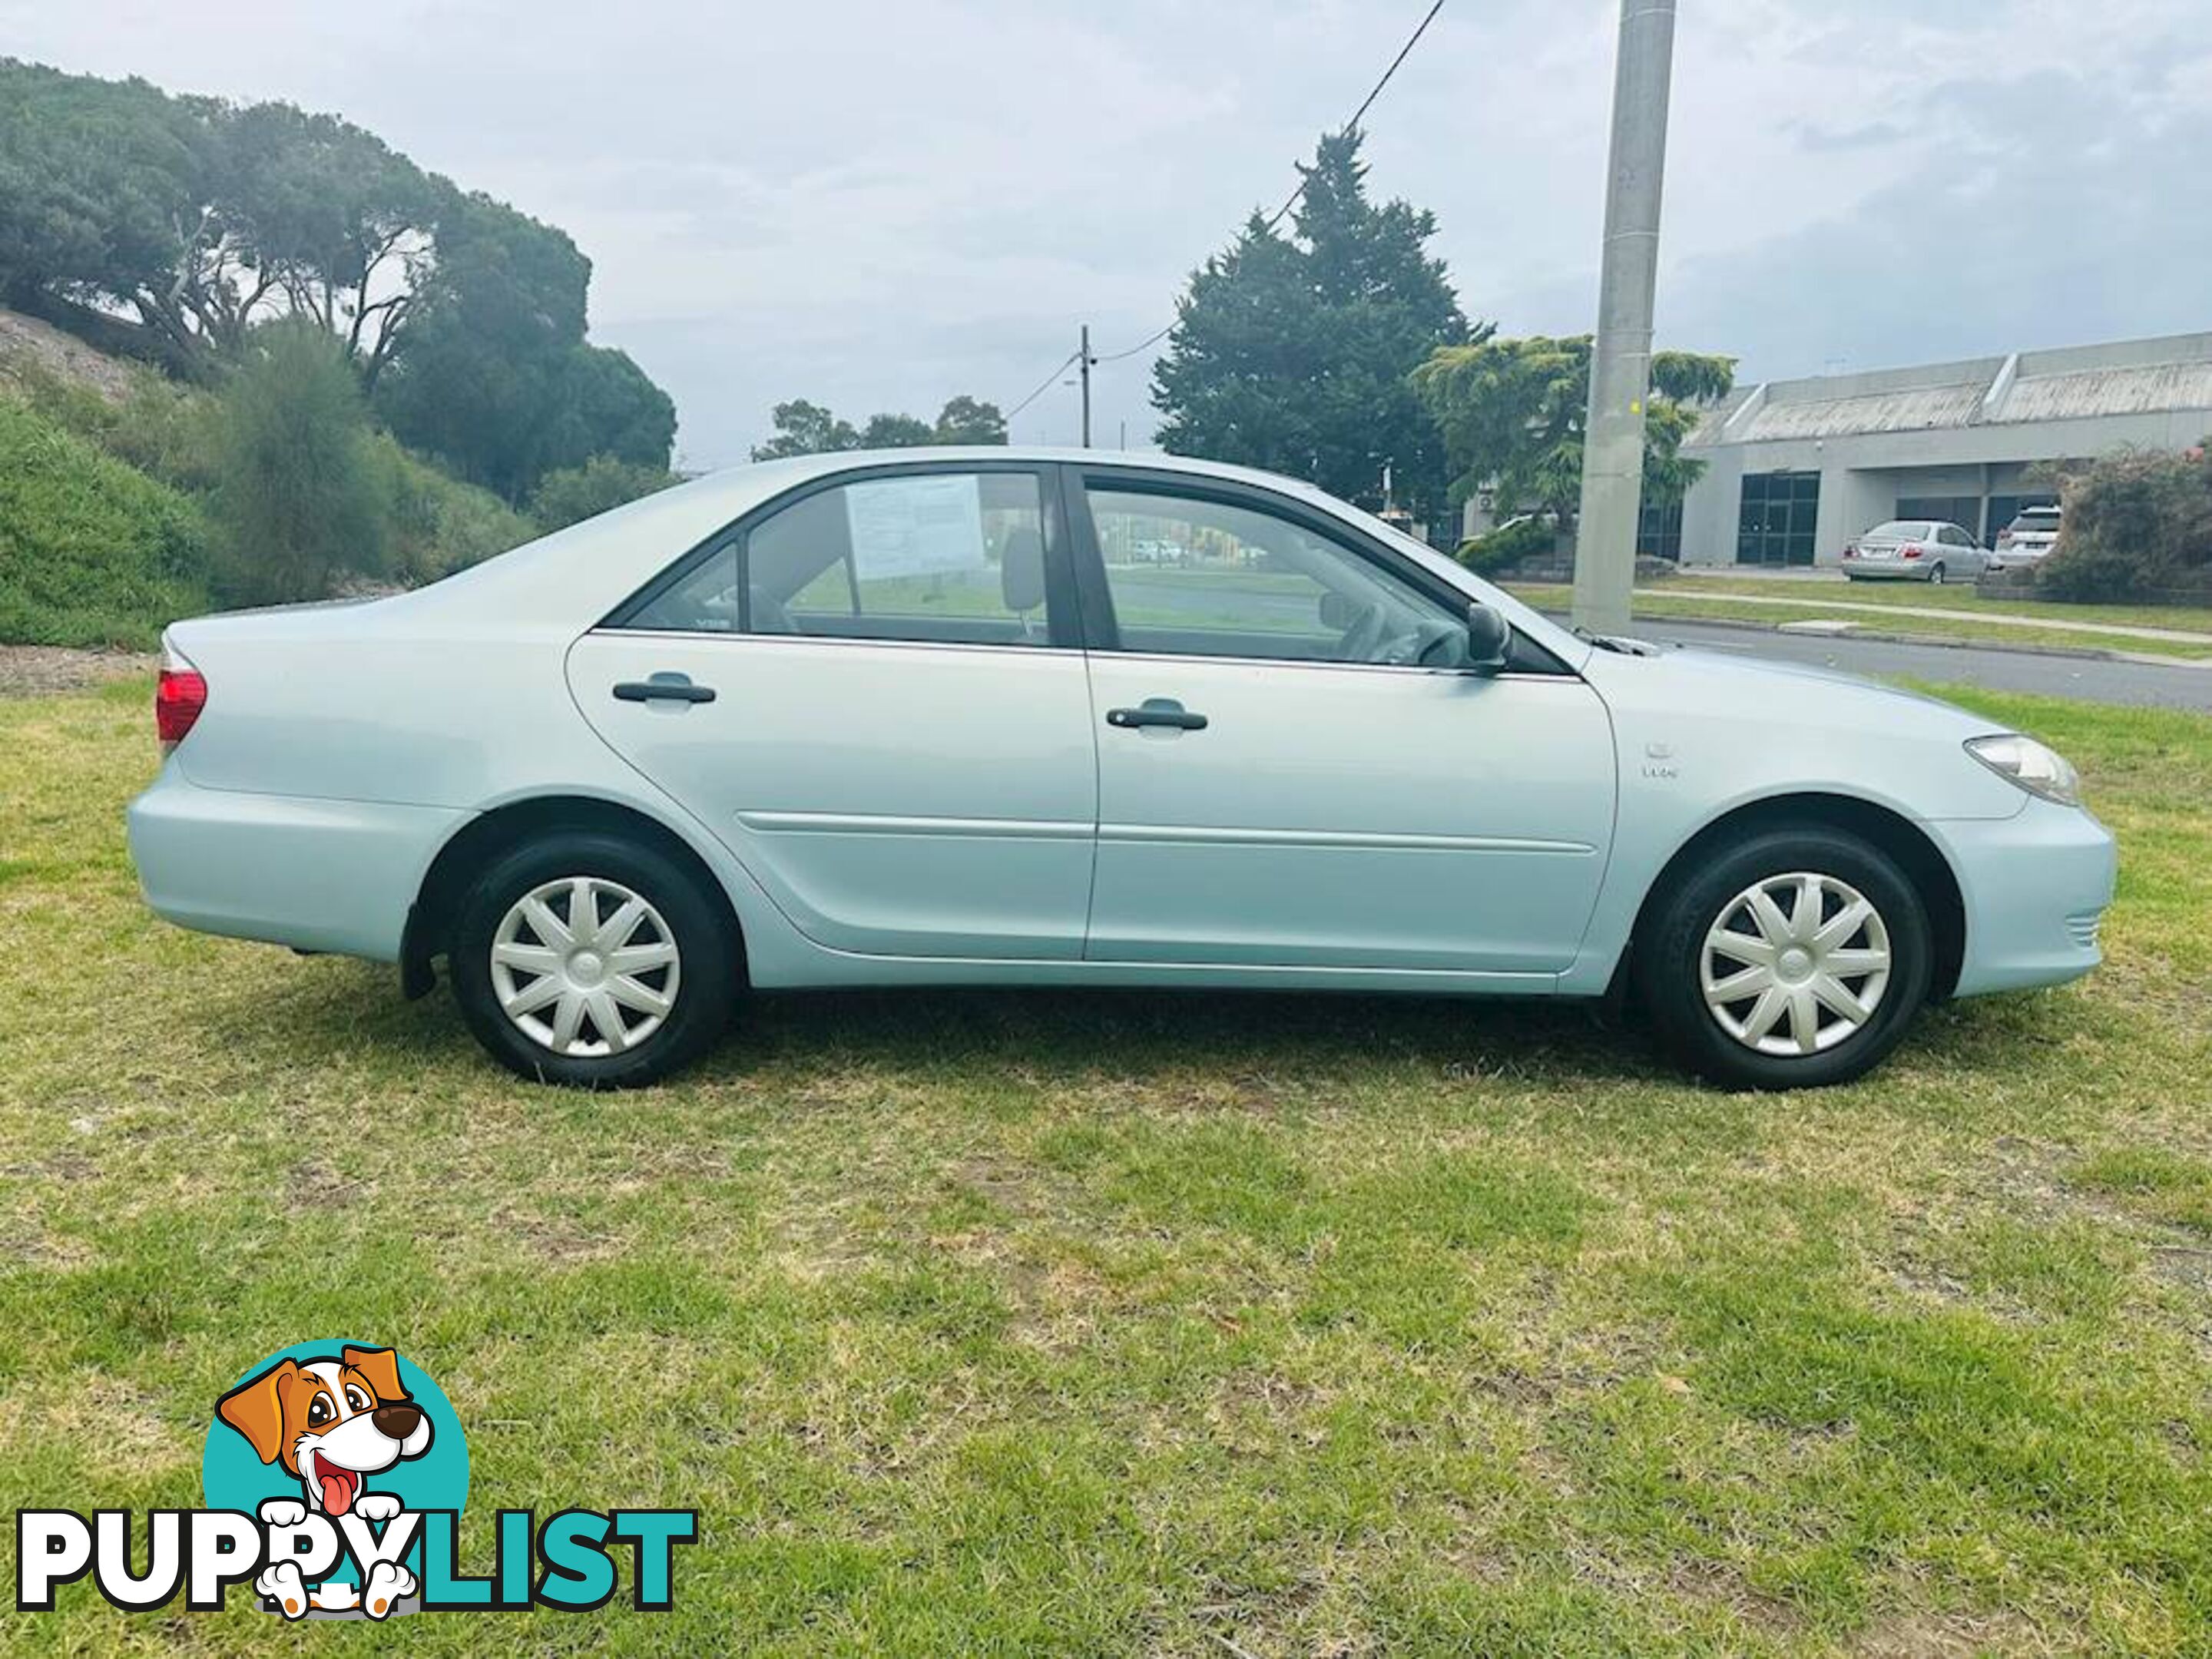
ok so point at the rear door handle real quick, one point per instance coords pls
(664, 688)
(1156, 711)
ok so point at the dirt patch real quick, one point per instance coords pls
(1935, 1636)
(315, 1186)
(35, 671)
(25, 341)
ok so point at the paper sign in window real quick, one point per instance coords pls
(916, 526)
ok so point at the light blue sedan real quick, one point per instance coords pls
(1042, 717)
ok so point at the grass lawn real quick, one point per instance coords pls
(1192, 1326)
(1692, 600)
(1962, 598)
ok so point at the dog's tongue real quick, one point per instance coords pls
(337, 1491)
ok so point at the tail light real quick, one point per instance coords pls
(178, 697)
(2004, 540)
(1910, 551)
(1851, 551)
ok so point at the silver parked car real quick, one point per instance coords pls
(2027, 539)
(1915, 550)
(901, 719)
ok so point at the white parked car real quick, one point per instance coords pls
(1915, 550)
(2027, 540)
(891, 720)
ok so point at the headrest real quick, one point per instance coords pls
(1021, 570)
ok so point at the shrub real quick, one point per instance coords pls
(440, 525)
(2137, 526)
(300, 497)
(1507, 544)
(576, 493)
(164, 429)
(92, 552)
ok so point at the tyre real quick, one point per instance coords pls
(1794, 959)
(585, 959)
(1935, 573)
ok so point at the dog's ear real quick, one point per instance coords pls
(256, 1409)
(380, 1366)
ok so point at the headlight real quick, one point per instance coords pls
(2038, 770)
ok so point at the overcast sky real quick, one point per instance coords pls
(876, 203)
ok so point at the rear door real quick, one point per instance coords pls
(1960, 549)
(1290, 771)
(873, 691)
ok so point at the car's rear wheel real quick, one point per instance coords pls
(1796, 958)
(585, 959)
(1935, 573)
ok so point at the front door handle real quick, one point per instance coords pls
(664, 688)
(1156, 711)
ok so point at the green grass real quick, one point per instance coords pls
(1105, 1324)
(1962, 597)
(1694, 600)
(92, 551)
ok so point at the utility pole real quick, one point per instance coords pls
(1083, 355)
(1620, 370)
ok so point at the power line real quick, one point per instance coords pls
(1116, 356)
(1043, 386)
(1282, 212)
(1365, 104)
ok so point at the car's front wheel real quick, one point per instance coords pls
(1796, 958)
(585, 959)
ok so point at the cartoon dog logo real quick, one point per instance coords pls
(332, 1423)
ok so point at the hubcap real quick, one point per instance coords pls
(1795, 964)
(584, 967)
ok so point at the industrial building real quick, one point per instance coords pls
(1795, 469)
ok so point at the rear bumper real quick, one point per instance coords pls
(1887, 570)
(316, 875)
(2035, 886)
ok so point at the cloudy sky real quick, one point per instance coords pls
(876, 203)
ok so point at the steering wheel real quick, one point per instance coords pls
(1369, 640)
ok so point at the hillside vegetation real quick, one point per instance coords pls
(92, 551)
(252, 354)
(115, 518)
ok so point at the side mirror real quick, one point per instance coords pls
(1489, 639)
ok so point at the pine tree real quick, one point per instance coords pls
(1292, 353)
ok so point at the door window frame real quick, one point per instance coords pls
(1095, 600)
(1063, 612)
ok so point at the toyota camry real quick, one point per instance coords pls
(1038, 717)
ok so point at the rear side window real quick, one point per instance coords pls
(955, 558)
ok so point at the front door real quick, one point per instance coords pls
(873, 693)
(1291, 772)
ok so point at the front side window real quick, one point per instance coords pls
(954, 558)
(1189, 577)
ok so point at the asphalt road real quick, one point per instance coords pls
(2143, 684)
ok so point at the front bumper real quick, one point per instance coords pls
(314, 874)
(2035, 886)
